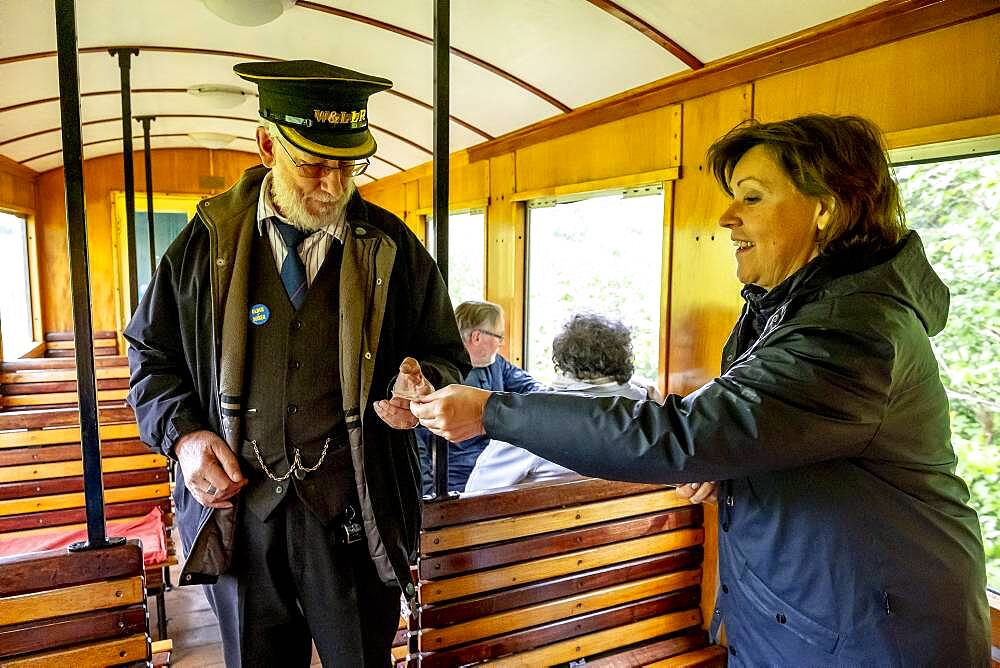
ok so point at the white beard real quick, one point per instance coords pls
(291, 201)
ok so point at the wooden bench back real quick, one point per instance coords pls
(550, 573)
(61, 344)
(74, 609)
(38, 383)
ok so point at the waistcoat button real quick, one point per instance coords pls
(278, 489)
(292, 409)
(296, 325)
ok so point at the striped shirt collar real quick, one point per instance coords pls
(266, 210)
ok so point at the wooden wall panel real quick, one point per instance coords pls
(392, 199)
(175, 171)
(939, 77)
(641, 143)
(505, 254)
(17, 187)
(467, 183)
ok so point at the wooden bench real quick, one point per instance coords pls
(550, 573)
(41, 472)
(81, 609)
(60, 344)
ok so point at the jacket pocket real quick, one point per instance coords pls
(782, 614)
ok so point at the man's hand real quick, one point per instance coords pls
(211, 470)
(696, 492)
(410, 385)
(455, 412)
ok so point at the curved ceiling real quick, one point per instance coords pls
(513, 63)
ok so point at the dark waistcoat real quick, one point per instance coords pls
(294, 396)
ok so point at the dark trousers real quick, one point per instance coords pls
(291, 584)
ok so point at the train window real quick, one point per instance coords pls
(955, 206)
(466, 254)
(15, 298)
(600, 254)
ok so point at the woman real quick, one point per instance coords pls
(844, 535)
(593, 356)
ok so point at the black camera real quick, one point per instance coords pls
(350, 530)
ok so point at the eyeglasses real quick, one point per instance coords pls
(498, 337)
(315, 170)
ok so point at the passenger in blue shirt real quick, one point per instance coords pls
(482, 327)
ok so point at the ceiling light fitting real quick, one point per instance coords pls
(248, 12)
(219, 96)
(212, 140)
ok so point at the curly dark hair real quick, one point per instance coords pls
(836, 157)
(592, 346)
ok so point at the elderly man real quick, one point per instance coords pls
(482, 327)
(259, 355)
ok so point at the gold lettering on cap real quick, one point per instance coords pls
(354, 118)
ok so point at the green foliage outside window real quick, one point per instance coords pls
(955, 207)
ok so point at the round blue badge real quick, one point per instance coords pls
(259, 314)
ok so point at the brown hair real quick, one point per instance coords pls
(832, 157)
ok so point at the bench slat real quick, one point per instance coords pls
(41, 387)
(97, 335)
(30, 488)
(82, 628)
(75, 518)
(106, 653)
(526, 498)
(575, 583)
(446, 565)
(64, 453)
(71, 600)
(56, 398)
(506, 528)
(702, 658)
(601, 641)
(69, 469)
(505, 622)
(71, 344)
(541, 569)
(41, 363)
(652, 651)
(76, 500)
(110, 412)
(25, 573)
(56, 375)
(18, 439)
(611, 628)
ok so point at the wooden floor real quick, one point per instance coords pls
(192, 627)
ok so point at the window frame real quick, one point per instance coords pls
(37, 345)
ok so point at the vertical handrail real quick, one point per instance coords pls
(79, 267)
(150, 222)
(125, 66)
(442, 38)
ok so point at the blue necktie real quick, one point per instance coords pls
(293, 272)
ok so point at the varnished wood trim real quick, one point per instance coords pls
(454, 119)
(614, 182)
(549, 567)
(647, 29)
(478, 203)
(391, 164)
(521, 526)
(109, 412)
(63, 453)
(44, 399)
(968, 128)
(114, 139)
(108, 653)
(72, 519)
(21, 489)
(464, 55)
(19, 439)
(71, 345)
(96, 93)
(653, 651)
(25, 573)
(99, 335)
(39, 363)
(879, 24)
(542, 613)
(71, 600)
(8, 165)
(87, 627)
(71, 468)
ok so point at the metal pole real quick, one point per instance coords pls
(76, 225)
(442, 38)
(125, 64)
(151, 225)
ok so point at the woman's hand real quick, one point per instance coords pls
(696, 492)
(454, 412)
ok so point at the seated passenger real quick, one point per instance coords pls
(593, 356)
(482, 326)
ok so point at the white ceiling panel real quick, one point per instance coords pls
(569, 50)
(713, 29)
